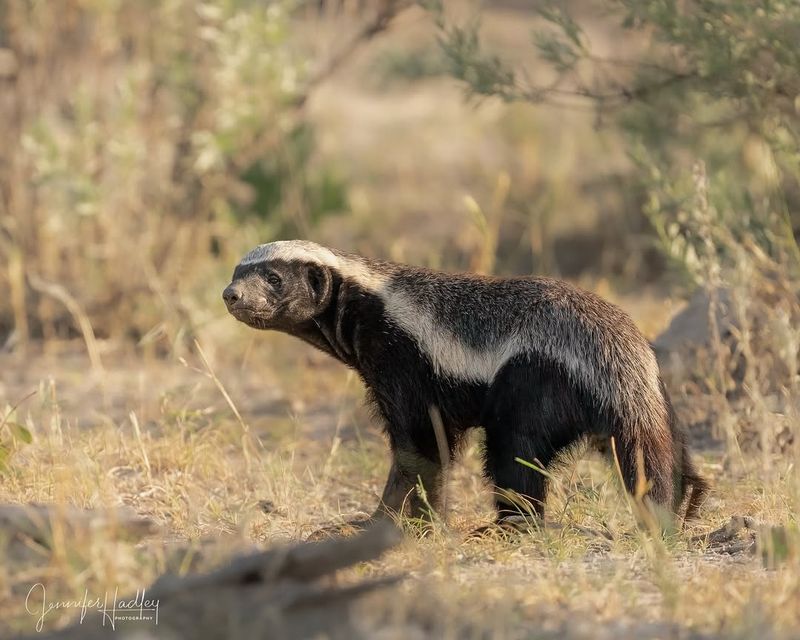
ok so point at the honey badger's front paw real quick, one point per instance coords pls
(507, 527)
(342, 530)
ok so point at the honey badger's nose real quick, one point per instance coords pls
(231, 295)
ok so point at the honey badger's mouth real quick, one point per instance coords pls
(256, 318)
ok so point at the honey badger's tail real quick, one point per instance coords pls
(689, 486)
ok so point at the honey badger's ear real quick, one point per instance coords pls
(320, 284)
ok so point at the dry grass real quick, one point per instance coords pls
(185, 466)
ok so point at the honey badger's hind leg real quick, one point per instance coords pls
(645, 459)
(533, 412)
(692, 487)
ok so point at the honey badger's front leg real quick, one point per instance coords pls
(415, 463)
(400, 494)
(409, 471)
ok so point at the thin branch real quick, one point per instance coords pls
(444, 454)
(379, 23)
(635, 64)
(607, 98)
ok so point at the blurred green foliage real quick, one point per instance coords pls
(407, 65)
(323, 191)
(714, 82)
(146, 139)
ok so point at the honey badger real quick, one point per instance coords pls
(537, 363)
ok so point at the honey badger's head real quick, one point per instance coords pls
(281, 285)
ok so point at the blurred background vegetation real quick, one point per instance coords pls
(642, 149)
(647, 150)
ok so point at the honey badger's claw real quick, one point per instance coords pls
(343, 530)
(506, 528)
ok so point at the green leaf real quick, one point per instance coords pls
(535, 467)
(20, 433)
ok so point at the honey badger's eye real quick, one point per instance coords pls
(274, 280)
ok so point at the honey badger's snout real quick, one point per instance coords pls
(243, 301)
(248, 303)
(232, 295)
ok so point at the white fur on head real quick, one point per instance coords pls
(306, 251)
(292, 251)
